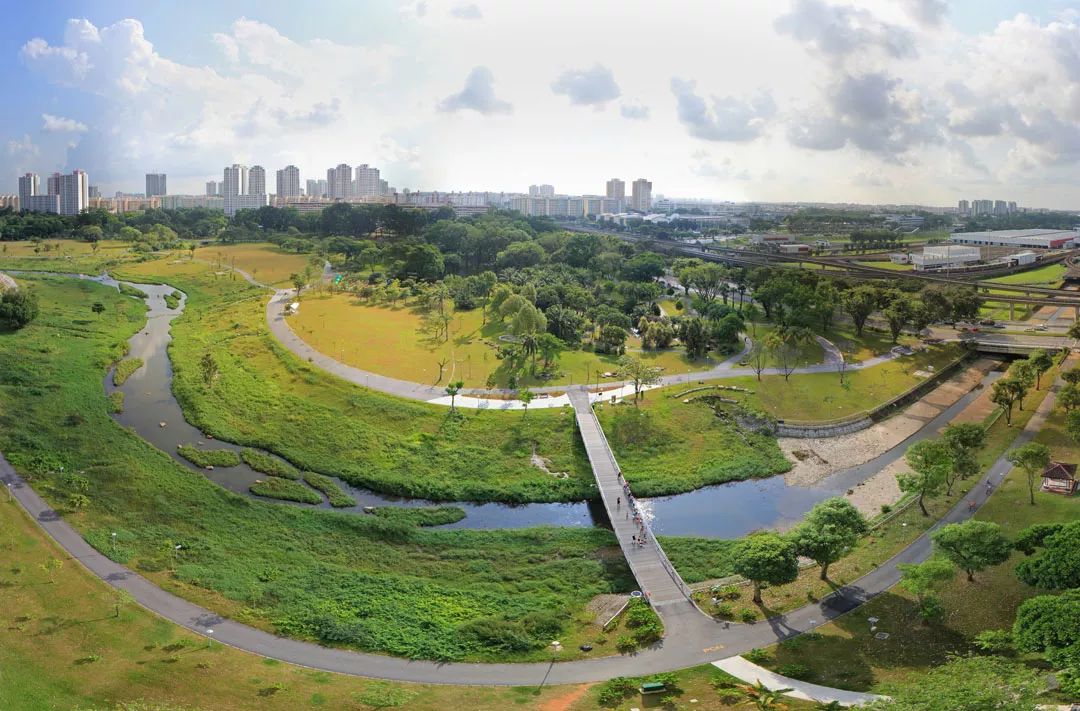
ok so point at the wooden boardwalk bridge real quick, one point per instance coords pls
(660, 583)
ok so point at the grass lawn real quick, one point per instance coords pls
(807, 353)
(1050, 276)
(264, 262)
(665, 446)
(386, 339)
(360, 581)
(847, 656)
(888, 264)
(65, 255)
(68, 644)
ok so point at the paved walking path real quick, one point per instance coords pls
(752, 674)
(658, 579)
(690, 638)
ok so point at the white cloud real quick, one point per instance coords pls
(930, 13)
(728, 119)
(22, 148)
(59, 124)
(840, 31)
(466, 11)
(478, 95)
(587, 87)
(634, 110)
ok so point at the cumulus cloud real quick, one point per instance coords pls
(478, 95)
(839, 31)
(466, 11)
(634, 110)
(728, 119)
(872, 112)
(59, 124)
(929, 13)
(414, 8)
(588, 87)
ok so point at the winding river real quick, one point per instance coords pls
(722, 511)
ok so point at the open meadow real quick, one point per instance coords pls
(266, 263)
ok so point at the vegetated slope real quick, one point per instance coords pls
(342, 579)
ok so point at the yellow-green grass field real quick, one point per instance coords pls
(387, 340)
(59, 247)
(806, 353)
(887, 264)
(264, 262)
(65, 255)
(1049, 276)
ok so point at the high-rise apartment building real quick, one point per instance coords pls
(339, 181)
(28, 187)
(1001, 207)
(542, 191)
(235, 181)
(256, 180)
(288, 182)
(641, 195)
(94, 191)
(616, 188)
(74, 192)
(52, 184)
(155, 184)
(324, 188)
(963, 207)
(212, 188)
(367, 181)
(312, 189)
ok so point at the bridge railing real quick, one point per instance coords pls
(646, 524)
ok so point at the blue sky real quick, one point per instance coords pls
(877, 101)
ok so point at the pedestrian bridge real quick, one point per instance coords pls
(659, 581)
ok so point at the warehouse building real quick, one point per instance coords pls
(948, 256)
(1026, 239)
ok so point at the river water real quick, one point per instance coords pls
(723, 511)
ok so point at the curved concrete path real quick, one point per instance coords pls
(752, 674)
(690, 639)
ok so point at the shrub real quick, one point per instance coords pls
(757, 656)
(748, 615)
(129, 290)
(725, 610)
(18, 307)
(994, 641)
(124, 370)
(328, 486)
(116, 402)
(381, 695)
(794, 671)
(208, 457)
(626, 644)
(613, 691)
(286, 490)
(727, 592)
(262, 462)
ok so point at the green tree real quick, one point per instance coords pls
(924, 580)
(829, 532)
(1074, 330)
(526, 396)
(972, 545)
(209, 367)
(964, 441)
(694, 333)
(98, 308)
(18, 308)
(1048, 622)
(638, 372)
(1069, 397)
(1071, 376)
(452, 389)
(859, 303)
(528, 320)
(1004, 394)
(1033, 458)
(1022, 379)
(297, 282)
(1040, 362)
(898, 313)
(1072, 425)
(930, 461)
(612, 339)
(1057, 567)
(765, 558)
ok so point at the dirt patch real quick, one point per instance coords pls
(880, 489)
(815, 459)
(544, 465)
(7, 282)
(603, 607)
(567, 700)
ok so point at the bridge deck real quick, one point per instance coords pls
(650, 566)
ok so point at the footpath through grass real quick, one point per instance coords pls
(349, 580)
(266, 263)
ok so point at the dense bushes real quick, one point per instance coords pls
(208, 457)
(286, 490)
(124, 370)
(18, 307)
(262, 462)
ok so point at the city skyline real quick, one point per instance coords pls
(892, 101)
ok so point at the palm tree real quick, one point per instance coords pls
(452, 390)
(529, 345)
(764, 698)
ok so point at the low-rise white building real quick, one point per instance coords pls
(945, 256)
(1035, 238)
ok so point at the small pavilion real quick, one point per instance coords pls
(1060, 478)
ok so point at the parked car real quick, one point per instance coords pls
(987, 322)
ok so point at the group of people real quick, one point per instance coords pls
(641, 537)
